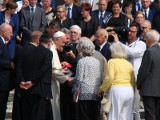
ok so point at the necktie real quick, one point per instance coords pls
(32, 12)
(68, 12)
(101, 19)
(145, 14)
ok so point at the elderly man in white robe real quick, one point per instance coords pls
(58, 76)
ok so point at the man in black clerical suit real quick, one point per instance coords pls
(6, 66)
(36, 85)
(148, 79)
(20, 51)
(101, 43)
(32, 18)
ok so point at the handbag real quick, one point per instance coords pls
(106, 104)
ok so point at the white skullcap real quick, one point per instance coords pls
(58, 34)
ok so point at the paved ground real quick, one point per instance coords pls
(10, 103)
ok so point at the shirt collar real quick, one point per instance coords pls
(133, 43)
(70, 6)
(101, 12)
(3, 39)
(101, 46)
(33, 44)
(146, 10)
(31, 7)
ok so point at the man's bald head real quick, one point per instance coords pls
(101, 36)
(6, 31)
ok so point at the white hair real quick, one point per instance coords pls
(118, 50)
(76, 27)
(87, 48)
(153, 35)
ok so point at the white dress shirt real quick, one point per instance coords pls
(135, 53)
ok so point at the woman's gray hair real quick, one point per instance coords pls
(118, 50)
(79, 44)
(87, 48)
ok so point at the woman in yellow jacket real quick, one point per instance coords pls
(119, 84)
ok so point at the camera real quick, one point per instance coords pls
(121, 31)
(67, 48)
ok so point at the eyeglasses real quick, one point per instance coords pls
(73, 32)
(60, 11)
(132, 31)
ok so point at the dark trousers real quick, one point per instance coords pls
(34, 107)
(89, 110)
(16, 111)
(151, 107)
(68, 107)
(3, 104)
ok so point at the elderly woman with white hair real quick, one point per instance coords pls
(119, 84)
(75, 33)
(89, 76)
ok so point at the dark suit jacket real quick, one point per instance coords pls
(37, 67)
(95, 14)
(150, 15)
(148, 79)
(27, 25)
(21, 53)
(5, 68)
(155, 21)
(105, 51)
(76, 14)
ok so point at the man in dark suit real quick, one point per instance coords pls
(31, 18)
(36, 85)
(148, 79)
(20, 51)
(5, 68)
(73, 11)
(101, 43)
(101, 12)
(149, 13)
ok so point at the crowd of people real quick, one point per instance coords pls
(61, 60)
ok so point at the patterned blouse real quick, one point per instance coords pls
(89, 76)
